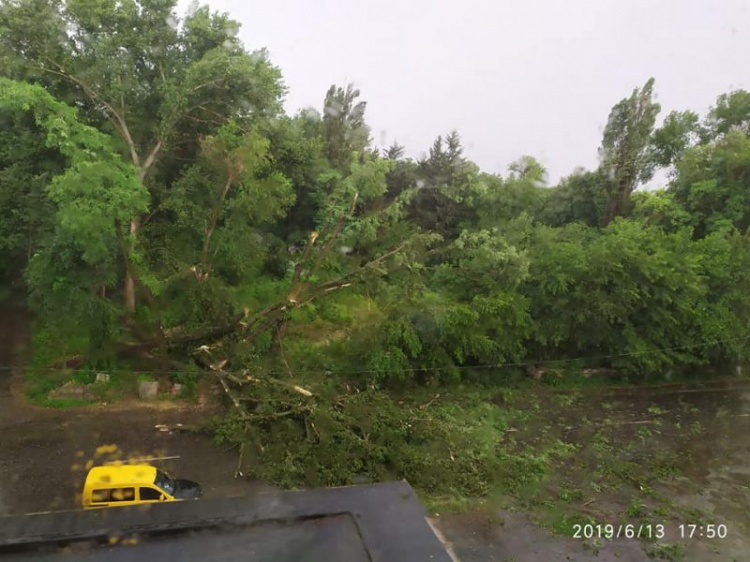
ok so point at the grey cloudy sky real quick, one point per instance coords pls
(513, 77)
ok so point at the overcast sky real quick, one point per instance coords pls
(513, 77)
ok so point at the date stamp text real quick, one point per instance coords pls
(648, 531)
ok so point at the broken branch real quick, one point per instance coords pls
(427, 405)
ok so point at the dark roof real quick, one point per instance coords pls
(374, 523)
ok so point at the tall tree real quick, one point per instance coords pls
(95, 193)
(230, 189)
(581, 197)
(711, 182)
(394, 152)
(522, 191)
(680, 131)
(624, 153)
(403, 173)
(448, 188)
(732, 111)
(138, 72)
(344, 125)
(27, 165)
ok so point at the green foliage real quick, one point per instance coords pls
(151, 189)
(97, 189)
(454, 448)
(663, 551)
(235, 192)
(678, 132)
(26, 164)
(219, 207)
(660, 208)
(619, 290)
(198, 304)
(581, 197)
(711, 184)
(625, 156)
(522, 192)
(636, 508)
(449, 189)
(731, 112)
(344, 127)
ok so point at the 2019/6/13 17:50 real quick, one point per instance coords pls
(647, 531)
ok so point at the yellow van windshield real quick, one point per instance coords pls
(164, 482)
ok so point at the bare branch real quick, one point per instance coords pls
(240, 410)
(238, 472)
(151, 158)
(305, 256)
(337, 282)
(215, 81)
(343, 281)
(280, 332)
(148, 217)
(334, 235)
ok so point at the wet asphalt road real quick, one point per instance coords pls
(715, 478)
(475, 539)
(43, 452)
(43, 460)
(13, 342)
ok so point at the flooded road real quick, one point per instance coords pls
(669, 455)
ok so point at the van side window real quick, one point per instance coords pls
(123, 495)
(148, 494)
(100, 496)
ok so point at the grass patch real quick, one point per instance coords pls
(671, 552)
(570, 494)
(574, 378)
(39, 386)
(452, 505)
(563, 523)
(636, 508)
(600, 443)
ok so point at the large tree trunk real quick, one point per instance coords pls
(129, 286)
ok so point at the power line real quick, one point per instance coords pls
(415, 369)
